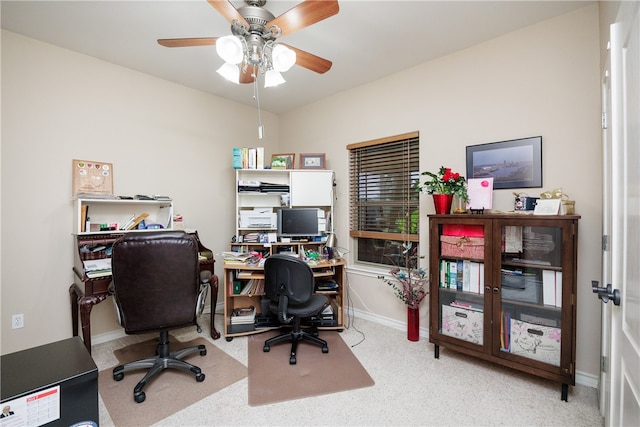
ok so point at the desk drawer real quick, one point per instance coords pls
(97, 286)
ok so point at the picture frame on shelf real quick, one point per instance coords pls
(515, 163)
(92, 177)
(283, 161)
(312, 161)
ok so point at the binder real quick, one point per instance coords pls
(549, 287)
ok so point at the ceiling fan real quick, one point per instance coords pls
(253, 47)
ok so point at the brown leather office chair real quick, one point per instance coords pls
(157, 287)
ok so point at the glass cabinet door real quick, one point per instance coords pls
(461, 282)
(530, 294)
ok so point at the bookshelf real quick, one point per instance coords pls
(261, 192)
(503, 289)
(115, 213)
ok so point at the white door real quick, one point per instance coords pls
(623, 408)
(607, 168)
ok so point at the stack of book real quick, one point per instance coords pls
(243, 315)
(97, 267)
(248, 158)
(253, 287)
(132, 221)
(326, 286)
(235, 257)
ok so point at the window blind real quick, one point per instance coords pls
(383, 179)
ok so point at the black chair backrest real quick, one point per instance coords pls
(286, 275)
(156, 280)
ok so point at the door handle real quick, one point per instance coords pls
(606, 294)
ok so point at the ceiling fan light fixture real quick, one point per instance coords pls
(230, 72)
(273, 78)
(282, 58)
(229, 48)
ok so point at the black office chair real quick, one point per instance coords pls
(289, 284)
(157, 287)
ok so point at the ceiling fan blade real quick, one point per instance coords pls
(195, 41)
(230, 13)
(310, 61)
(304, 14)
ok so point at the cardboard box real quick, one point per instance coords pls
(462, 247)
(535, 342)
(463, 324)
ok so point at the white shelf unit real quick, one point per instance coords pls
(307, 188)
(108, 211)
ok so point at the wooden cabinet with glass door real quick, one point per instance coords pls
(503, 288)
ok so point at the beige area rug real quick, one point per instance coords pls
(272, 379)
(170, 391)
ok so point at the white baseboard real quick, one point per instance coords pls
(113, 335)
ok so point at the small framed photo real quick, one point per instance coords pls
(283, 161)
(312, 161)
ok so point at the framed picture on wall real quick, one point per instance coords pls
(515, 163)
(92, 177)
(312, 161)
(283, 161)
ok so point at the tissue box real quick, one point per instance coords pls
(535, 342)
(462, 247)
(462, 323)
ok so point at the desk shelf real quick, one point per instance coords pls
(236, 273)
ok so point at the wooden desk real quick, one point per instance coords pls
(334, 270)
(89, 292)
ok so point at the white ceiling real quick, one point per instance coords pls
(365, 41)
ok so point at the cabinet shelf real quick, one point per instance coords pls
(523, 314)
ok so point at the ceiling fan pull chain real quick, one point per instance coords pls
(256, 96)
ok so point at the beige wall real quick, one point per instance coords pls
(542, 80)
(162, 138)
(58, 105)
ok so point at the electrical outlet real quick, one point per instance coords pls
(17, 321)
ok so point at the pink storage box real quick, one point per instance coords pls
(462, 247)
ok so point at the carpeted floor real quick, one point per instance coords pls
(170, 391)
(310, 376)
(412, 388)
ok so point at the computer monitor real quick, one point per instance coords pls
(298, 222)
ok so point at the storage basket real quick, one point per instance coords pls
(462, 247)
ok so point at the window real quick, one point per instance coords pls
(383, 196)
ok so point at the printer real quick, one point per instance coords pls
(258, 218)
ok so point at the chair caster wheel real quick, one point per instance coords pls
(139, 397)
(200, 378)
(118, 377)
(292, 360)
(266, 348)
(325, 349)
(229, 339)
(203, 352)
